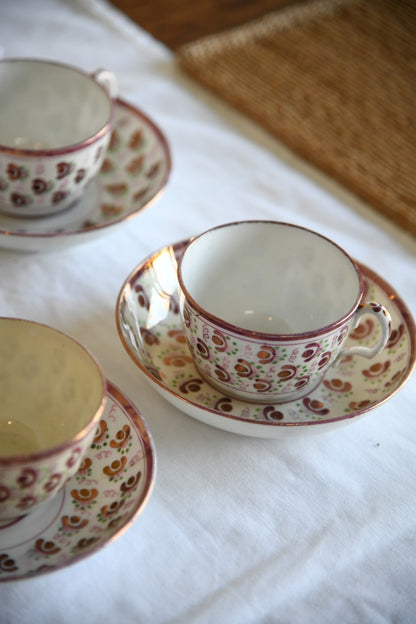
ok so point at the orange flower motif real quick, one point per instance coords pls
(109, 510)
(135, 165)
(224, 404)
(84, 495)
(396, 377)
(136, 140)
(100, 432)
(359, 405)
(270, 413)
(46, 547)
(343, 334)
(117, 189)
(315, 406)
(243, 368)
(301, 382)
(114, 522)
(262, 385)
(177, 360)
(202, 349)
(116, 467)
(122, 438)
(142, 297)
(153, 171)
(7, 564)
(219, 340)
(364, 329)
(266, 354)
(140, 194)
(107, 165)
(311, 350)
(288, 372)
(376, 370)
(221, 374)
(177, 334)
(325, 358)
(395, 336)
(191, 385)
(337, 385)
(73, 523)
(149, 337)
(85, 465)
(130, 483)
(86, 542)
(111, 210)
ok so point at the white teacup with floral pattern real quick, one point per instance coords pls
(52, 395)
(268, 306)
(54, 130)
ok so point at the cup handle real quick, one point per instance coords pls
(383, 317)
(107, 80)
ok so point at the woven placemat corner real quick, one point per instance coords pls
(335, 81)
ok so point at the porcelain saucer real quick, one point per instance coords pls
(150, 328)
(97, 505)
(134, 173)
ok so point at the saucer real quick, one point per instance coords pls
(134, 173)
(97, 505)
(150, 328)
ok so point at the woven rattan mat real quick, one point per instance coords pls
(334, 80)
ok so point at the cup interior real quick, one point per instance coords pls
(269, 277)
(46, 105)
(51, 388)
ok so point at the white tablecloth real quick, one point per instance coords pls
(238, 529)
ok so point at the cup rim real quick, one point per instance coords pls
(17, 459)
(71, 147)
(255, 334)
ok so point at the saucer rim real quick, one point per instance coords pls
(119, 102)
(165, 390)
(128, 408)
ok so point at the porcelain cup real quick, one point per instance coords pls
(267, 307)
(55, 127)
(52, 396)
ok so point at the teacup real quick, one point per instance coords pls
(52, 396)
(267, 307)
(55, 126)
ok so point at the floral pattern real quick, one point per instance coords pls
(31, 179)
(134, 171)
(109, 490)
(349, 389)
(279, 370)
(28, 488)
